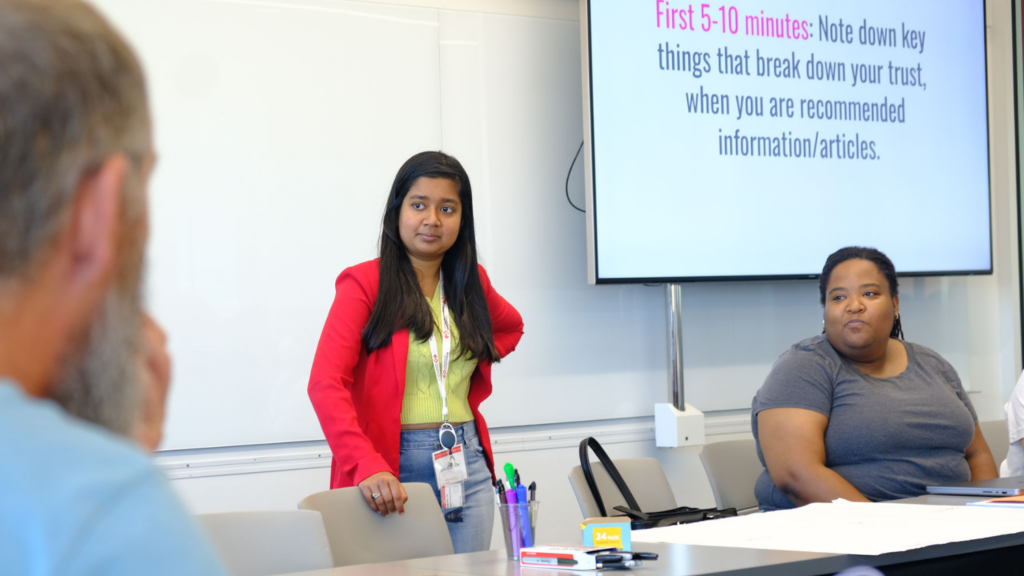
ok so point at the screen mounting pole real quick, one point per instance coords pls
(674, 296)
(676, 423)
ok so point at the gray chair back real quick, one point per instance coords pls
(732, 468)
(644, 476)
(997, 434)
(359, 535)
(270, 542)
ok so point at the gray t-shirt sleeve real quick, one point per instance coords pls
(962, 394)
(801, 378)
(948, 373)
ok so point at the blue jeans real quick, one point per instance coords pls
(471, 530)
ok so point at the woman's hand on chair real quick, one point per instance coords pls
(390, 495)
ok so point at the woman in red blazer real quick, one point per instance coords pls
(423, 310)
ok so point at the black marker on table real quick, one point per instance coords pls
(637, 555)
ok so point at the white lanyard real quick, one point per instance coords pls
(441, 364)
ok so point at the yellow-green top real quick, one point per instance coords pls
(422, 401)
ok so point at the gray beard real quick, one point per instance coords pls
(103, 383)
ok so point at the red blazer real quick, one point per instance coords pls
(358, 396)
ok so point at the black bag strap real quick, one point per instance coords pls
(609, 467)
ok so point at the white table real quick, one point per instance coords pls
(987, 556)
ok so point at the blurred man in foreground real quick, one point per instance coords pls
(82, 369)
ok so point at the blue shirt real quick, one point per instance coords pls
(76, 500)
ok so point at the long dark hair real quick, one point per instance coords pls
(400, 302)
(876, 257)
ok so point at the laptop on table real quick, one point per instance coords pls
(1013, 486)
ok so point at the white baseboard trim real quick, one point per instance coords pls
(179, 465)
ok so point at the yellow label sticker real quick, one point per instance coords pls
(608, 537)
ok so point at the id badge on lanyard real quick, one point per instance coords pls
(450, 461)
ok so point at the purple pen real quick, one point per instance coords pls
(513, 520)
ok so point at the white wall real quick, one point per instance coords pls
(983, 311)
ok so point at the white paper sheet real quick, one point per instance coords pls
(845, 528)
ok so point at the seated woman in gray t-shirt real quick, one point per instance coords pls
(857, 413)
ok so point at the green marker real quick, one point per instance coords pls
(510, 472)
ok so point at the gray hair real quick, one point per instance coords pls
(71, 95)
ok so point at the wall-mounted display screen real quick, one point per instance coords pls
(745, 140)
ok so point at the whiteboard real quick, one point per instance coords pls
(278, 130)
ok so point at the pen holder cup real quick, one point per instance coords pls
(518, 534)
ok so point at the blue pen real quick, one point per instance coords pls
(524, 515)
